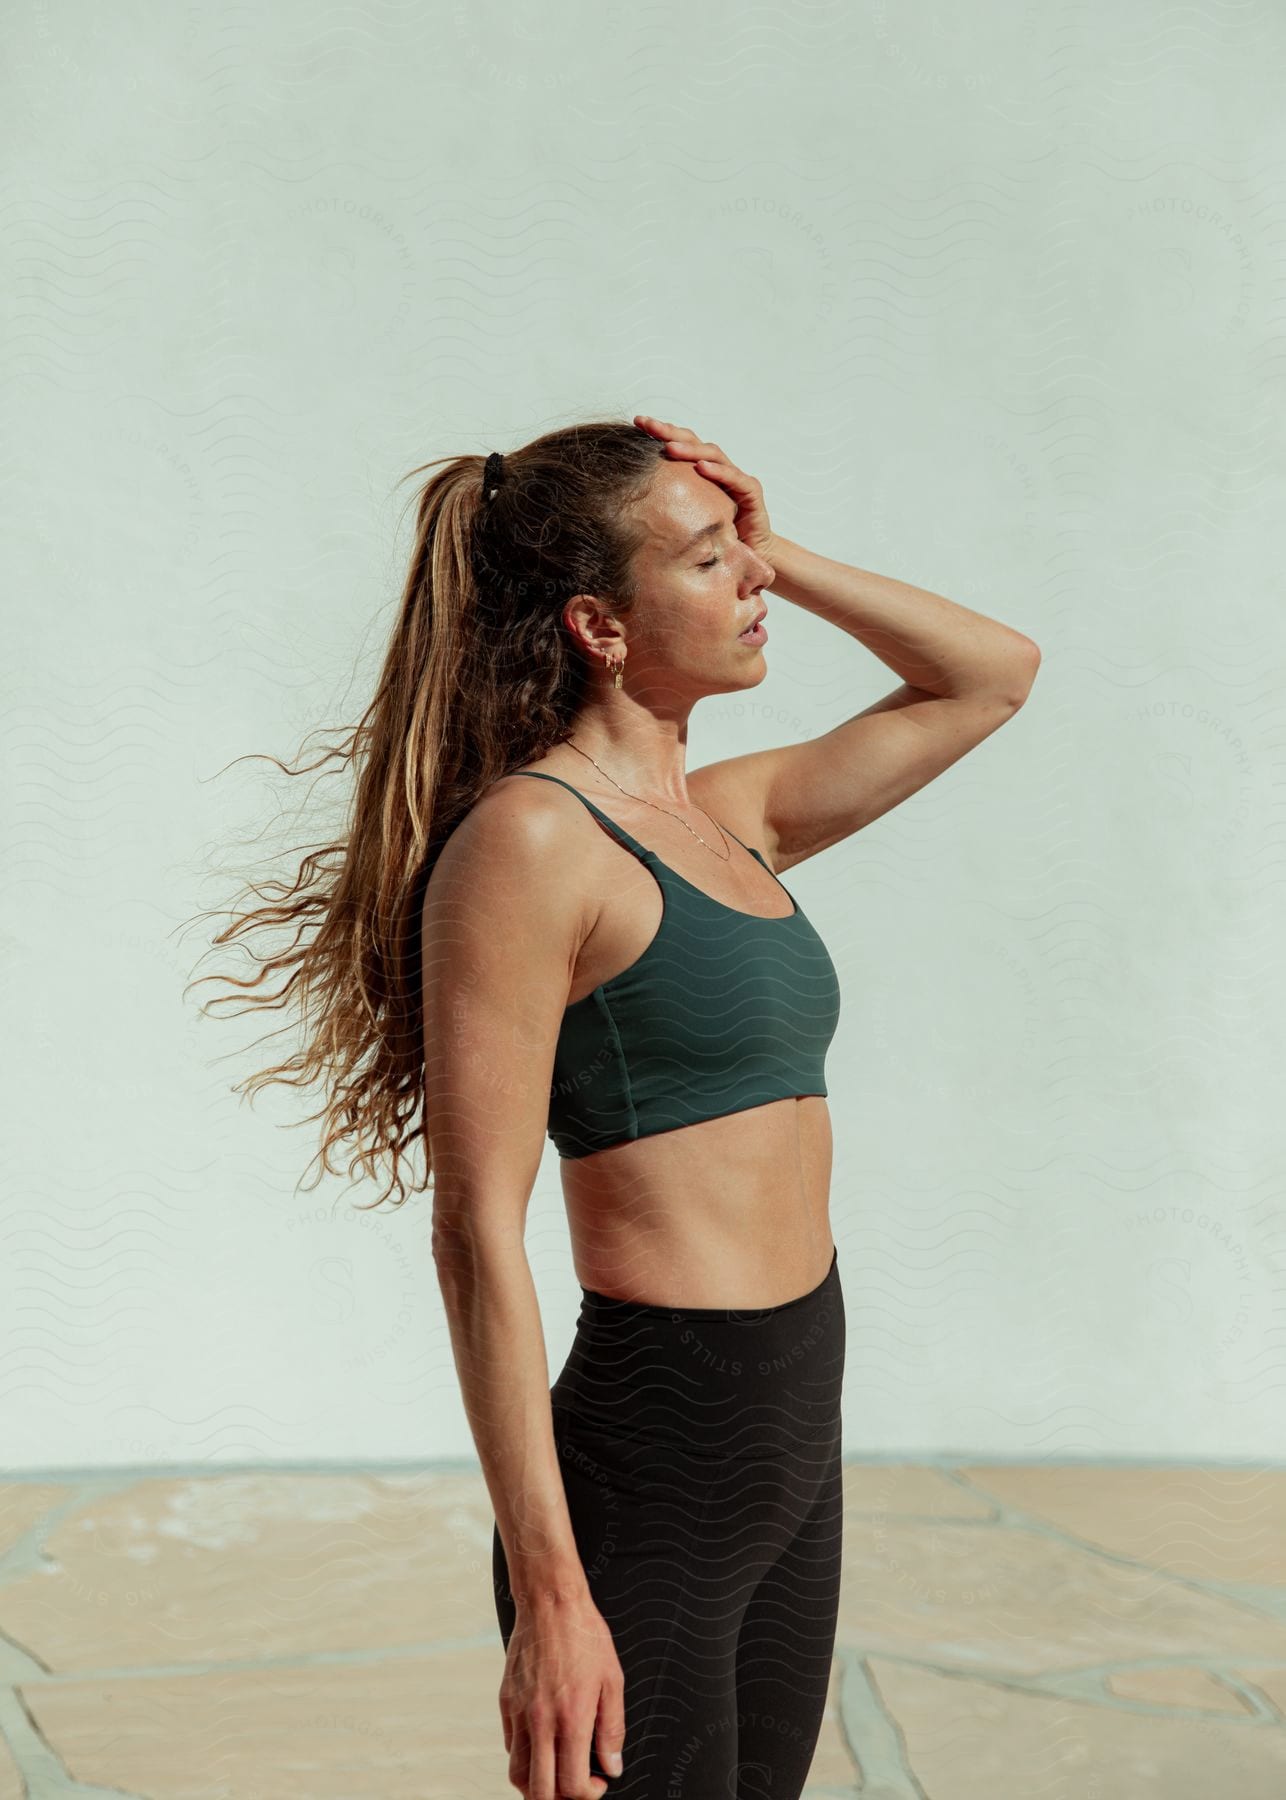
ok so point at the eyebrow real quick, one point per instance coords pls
(710, 531)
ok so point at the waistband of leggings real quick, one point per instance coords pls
(616, 1308)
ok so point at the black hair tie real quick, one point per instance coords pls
(494, 473)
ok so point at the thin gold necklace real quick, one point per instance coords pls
(657, 808)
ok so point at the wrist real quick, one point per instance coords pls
(785, 558)
(549, 1590)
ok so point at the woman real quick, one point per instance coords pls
(668, 1515)
(539, 920)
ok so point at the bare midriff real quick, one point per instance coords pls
(728, 1212)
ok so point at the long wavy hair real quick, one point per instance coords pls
(480, 676)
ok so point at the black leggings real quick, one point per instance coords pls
(700, 1455)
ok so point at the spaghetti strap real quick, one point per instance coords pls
(618, 831)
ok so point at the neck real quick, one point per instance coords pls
(644, 752)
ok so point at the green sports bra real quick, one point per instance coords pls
(721, 1012)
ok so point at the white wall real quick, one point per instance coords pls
(990, 301)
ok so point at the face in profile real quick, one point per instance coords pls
(699, 588)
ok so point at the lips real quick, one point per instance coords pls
(754, 635)
(757, 620)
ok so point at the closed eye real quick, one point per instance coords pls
(710, 563)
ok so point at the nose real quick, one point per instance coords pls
(760, 570)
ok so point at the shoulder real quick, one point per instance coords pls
(509, 850)
(515, 816)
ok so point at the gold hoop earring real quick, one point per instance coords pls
(616, 663)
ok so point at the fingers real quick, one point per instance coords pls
(662, 428)
(694, 449)
(541, 1770)
(519, 1748)
(726, 474)
(574, 1779)
(709, 461)
(677, 437)
(609, 1728)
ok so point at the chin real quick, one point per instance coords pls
(752, 671)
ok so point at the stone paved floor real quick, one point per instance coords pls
(1007, 1633)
